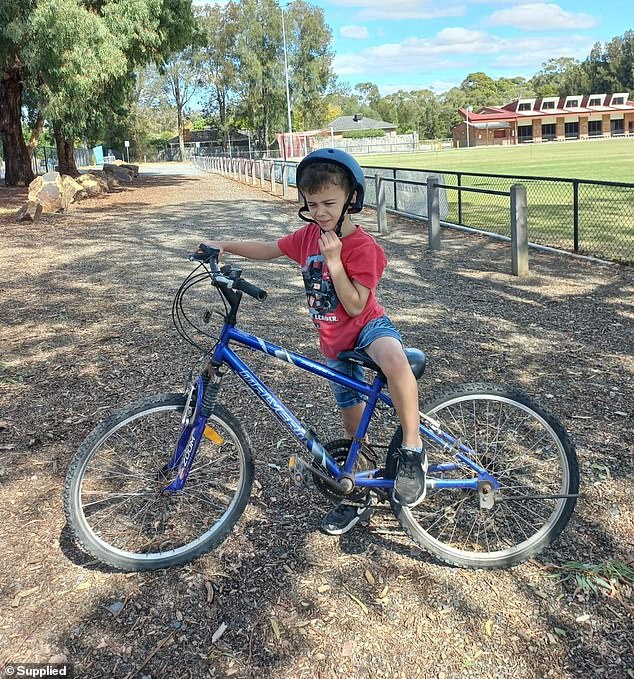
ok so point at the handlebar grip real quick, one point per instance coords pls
(250, 289)
(204, 254)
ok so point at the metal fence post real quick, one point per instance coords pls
(284, 180)
(519, 231)
(381, 211)
(575, 215)
(433, 213)
(459, 180)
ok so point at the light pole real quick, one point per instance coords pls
(468, 110)
(288, 95)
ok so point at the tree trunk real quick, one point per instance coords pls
(16, 154)
(65, 156)
(36, 132)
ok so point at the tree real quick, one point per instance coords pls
(555, 77)
(310, 62)
(64, 52)
(182, 79)
(14, 32)
(219, 60)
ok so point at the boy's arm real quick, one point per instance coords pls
(250, 249)
(351, 294)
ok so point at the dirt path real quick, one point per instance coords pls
(86, 327)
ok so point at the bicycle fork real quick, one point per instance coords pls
(194, 427)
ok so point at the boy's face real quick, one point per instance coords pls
(326, 205)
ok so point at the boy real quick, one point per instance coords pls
(342, 266)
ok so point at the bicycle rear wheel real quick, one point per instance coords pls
(112, 494)
(529, 453)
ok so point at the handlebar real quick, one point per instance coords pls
(227, 278)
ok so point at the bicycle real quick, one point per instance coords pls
(165, 479)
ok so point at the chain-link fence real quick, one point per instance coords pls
(573, 215)
(45, 158)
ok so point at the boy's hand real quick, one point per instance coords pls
(211, 244)
(330, 246)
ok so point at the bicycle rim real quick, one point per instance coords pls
(117, 510)
(532, 458)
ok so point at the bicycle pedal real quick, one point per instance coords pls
(299, 471)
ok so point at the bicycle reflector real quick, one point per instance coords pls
(213, 435)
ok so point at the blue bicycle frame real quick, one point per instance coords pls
(193, 429)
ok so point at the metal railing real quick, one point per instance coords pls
(570, 215)
(573, 215)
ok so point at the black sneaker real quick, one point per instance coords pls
(411, 474)
(343, 517)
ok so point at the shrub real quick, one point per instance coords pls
(361, 134)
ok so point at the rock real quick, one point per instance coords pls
(29, 212)
(48, 191)
(129, 166)
(73, 191)
(92, 184)
(119, 171)
(113, 182)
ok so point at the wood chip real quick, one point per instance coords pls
(219, 632)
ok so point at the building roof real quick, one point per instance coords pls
(535, 107)
(359, 122)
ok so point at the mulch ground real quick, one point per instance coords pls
(86, 327)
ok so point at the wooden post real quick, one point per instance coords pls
(381, 212)
(261, 162)
(433, 213)
(272, 176)
(519, 231)
(284, 180)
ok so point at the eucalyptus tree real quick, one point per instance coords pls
(14, 33)
(219, 60)
(310, 62)
(77, 59)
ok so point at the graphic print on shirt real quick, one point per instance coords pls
(320, 292)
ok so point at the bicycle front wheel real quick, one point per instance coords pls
(530, 454)
(112, 494)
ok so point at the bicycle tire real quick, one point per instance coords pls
(530, 453)
(112, 497)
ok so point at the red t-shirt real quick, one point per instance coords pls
(363, 260)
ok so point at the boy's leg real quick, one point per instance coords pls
(344, 516)
(410, 482)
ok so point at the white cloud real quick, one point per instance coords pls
(354, 32)
(542, 17)
(403, 9)
(457, 47)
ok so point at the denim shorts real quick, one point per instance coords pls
(379, 327)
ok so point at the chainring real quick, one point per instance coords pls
(338, 450)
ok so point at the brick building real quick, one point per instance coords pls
(535, 120)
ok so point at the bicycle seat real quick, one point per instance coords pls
(415, 357)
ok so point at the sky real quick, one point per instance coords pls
(417, 44)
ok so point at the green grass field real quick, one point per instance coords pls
(606, 213)
(599, 160)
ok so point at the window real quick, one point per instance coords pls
(572, 103)
(548, 104)
(571, 130)
(524, 107)
(617, 100)
(549, 131)
(524, 133)
(595, 128)
(617, 126)
(594, 101)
